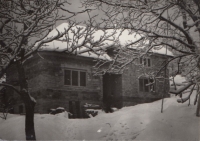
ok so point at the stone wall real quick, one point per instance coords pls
(45, 73)
(130, 82)
(46, 81)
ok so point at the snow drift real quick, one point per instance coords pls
(140, 122)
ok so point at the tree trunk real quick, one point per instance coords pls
(29, 104)
(198, 107)
(198, 81)
(29, 120)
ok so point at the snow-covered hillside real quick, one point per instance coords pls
(140, 122)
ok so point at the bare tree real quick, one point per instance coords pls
(173, 24)
(24, 27)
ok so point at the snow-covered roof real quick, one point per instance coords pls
(178, 79)
(163, 51)
(66, 43)
(59, 46)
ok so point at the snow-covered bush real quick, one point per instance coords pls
(57, 110)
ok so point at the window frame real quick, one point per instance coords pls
(143, 85)
(146, 61)
(71, 77)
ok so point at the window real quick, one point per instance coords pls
(82, 79)
(67, 77)
(75, 78)
(152, 87)
(142, 85)
(145, 61)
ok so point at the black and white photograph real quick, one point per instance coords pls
(100, 70)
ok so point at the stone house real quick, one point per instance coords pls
(58, 79)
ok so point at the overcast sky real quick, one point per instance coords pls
(76, 6)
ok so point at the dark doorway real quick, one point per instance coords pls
(21, 109)
(74, 109)
(112, 89)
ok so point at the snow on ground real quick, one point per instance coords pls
(141, 122)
